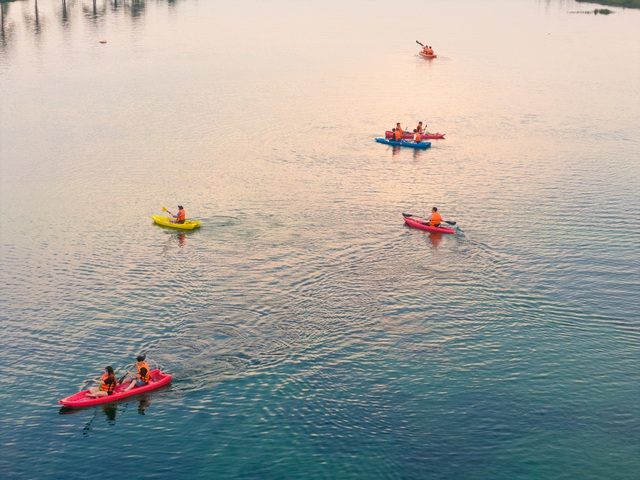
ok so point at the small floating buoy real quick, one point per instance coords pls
(103, 41)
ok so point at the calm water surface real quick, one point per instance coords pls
(310, 333)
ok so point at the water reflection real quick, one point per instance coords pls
(93, 11)
(178, 238)
(64, 17)
(109, 410)
(35, 15)
(30, 18)
(435, 239)
(417, 152)
(144, 402)
(5, 30)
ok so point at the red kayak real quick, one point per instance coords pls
(80, 399)
(412, 222)
(430, 136)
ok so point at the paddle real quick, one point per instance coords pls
(419, 43)
(164, 209)
(409, 215)
(125, 375)
(100, 380)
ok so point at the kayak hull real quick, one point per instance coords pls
(427, 228)
(166, 222)
(404, 143)
(426, 55)
(80, 399)
(430, 136)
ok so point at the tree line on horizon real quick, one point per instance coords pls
(614, 3)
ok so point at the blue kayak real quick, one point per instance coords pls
(402, 143)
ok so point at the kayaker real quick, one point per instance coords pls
(430, 52)
(397, 135)
(419, 127)
(180, 216)
(141, 378)
(399, 128)
(425, 50)
(108, 383)
(417, 135)
(435, 218)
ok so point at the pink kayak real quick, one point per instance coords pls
(431, 136)
(80, 399)
(412, 222)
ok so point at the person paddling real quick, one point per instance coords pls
(108, 383)
(430, 51)
(399, 128)
(435, 218)
(417, 135)
(141, 378)
(397, 135)
(420, 128)
(180, 216)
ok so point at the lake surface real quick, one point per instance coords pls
(310, 334)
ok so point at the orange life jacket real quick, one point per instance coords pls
(108, 387)
(145, 377)
(181, 215)
(430, 52)
(436, 219)
(420, 128)
(397, 135)
(399, 129)
(418, 137)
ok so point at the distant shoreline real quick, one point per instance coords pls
(614, 3)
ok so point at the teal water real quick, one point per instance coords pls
(309, 332)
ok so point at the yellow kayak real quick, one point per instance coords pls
(166, 222)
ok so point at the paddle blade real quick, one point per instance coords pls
(164, 209)
(407, 215)
(419, 43)
(450, 223)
